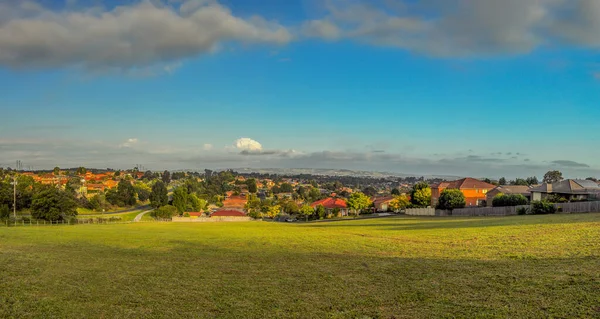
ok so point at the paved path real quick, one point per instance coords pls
(138, 218)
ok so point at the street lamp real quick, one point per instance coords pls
(14, 183)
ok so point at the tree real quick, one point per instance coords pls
(286, 188)
(532, 180)
(196, 204)
(395, 192)
(420, 195)
(81, 171)
(126, 193)
(502, 181)
(252, 188)
(552, 177)
(321, 212)
(143, 191)
(400, 202)
(159, 195)
(520, 182)
(180, 198)
(73, 185)
(166, 177)
(56, 170)
(53, 204)
(273, 211)
(451, 199)
(306, 210)
(4, 212)
(148, 175)
(290, 207)
(358, 202)
(370, 191)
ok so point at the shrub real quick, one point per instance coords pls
(165, 212)
(451, 199)
(186, 214)
(4, 212)
(542, 208)
(522, 211)
(502, 200)
(556, 198)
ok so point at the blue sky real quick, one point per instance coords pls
(491, 89)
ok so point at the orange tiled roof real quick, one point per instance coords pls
(330, 203)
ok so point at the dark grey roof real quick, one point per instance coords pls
(568, 186)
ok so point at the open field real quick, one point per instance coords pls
(511, 267)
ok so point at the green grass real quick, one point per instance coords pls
(514, 267)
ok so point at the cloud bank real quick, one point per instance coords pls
(160, 34)
(128, 36)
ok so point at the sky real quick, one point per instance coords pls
(481, 88)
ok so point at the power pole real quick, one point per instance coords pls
(15, 197)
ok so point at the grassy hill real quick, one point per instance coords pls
(515, 267)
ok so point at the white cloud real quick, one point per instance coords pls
(207, 147)
(248, 144)
(130, 142)
(321, 29)
(128, 36)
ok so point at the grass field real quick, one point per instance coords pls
(513, 267)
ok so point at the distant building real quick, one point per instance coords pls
(475, 191)
(382, 204)
(508, 190)
(235, 202)
(570, 189)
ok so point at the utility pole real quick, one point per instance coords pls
(15, 197)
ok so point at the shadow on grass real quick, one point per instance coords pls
(193, 280)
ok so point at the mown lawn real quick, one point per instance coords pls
(515, 267)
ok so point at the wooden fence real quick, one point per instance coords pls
(579, 207)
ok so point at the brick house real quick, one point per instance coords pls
(332, 203)
(475, 191)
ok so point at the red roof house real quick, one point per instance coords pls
(228, 213)
(332, 203)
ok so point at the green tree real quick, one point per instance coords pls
(56, 170)
(252, 188)
(420, 195)
(159, 195)
(552, 177)
(180, 199)
(286, 188)
(359, 202)
(81, 171)
(4, 212)
(196, 204)
(126, 193)
(542, 208)
(321, 212)
(520, 182)
(502, 181)
(53, 204)
(143, 191)
(532, 180)
(370, 191)
(395, 192)
(290, 207)
(451, 199)
(74, 185)
(306, 211)
(166, 177)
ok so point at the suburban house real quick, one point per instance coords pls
(570, 189)
(382, 204)
(331, 204)
(475, 191)
(235, 202)
(228, 213)
(508, 190)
